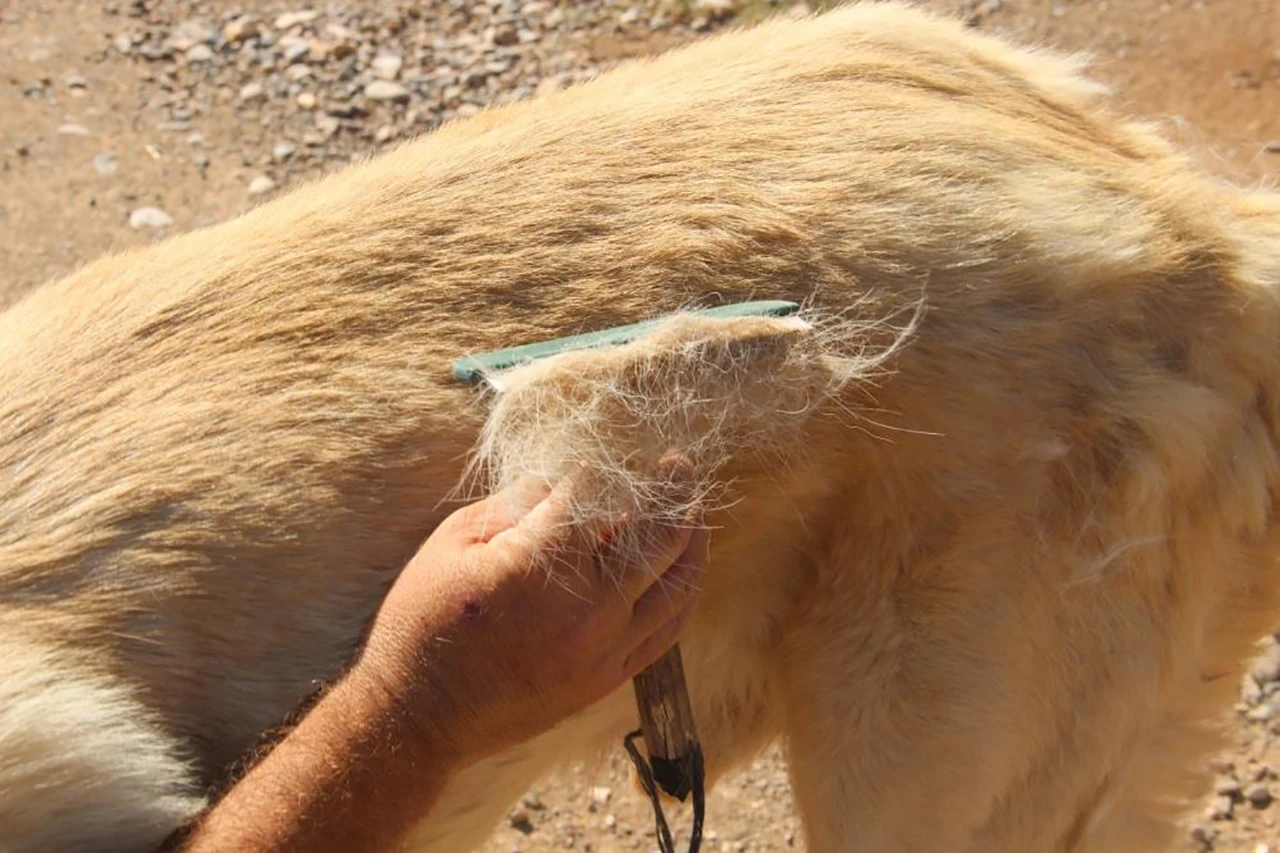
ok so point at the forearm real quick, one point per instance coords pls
(354, 775)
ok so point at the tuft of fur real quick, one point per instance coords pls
(84, 767)
(714, 391)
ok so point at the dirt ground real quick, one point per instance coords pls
(95, 132)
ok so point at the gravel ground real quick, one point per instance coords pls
(126, 121)
(312, 87)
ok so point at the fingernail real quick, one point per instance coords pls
(678, 475)
(676, 465)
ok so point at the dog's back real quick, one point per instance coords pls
(988, 598)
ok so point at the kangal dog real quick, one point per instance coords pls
(996, 515)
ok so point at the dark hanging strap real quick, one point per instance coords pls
(695, 778)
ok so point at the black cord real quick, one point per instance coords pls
(696, 774)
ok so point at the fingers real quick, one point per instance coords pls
(674, 589)
(596, 557)
(661, 613)
(552, 527)
(643, 552)
(658, 643)
(638, 557)
(482, 521)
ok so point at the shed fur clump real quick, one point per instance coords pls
(709, 390)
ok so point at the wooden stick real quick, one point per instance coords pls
(666, 720)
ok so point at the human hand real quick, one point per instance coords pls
(512, 623)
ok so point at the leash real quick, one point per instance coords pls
(693, 775)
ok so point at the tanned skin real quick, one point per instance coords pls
(504, 624)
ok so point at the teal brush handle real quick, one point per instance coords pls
(471, 369)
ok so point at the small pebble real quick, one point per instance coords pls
(1250, 692)
(1204, 836)
(261, 185)
(1267, 709)
(73, 130)
(149, 217)
(385, 90)
(252, 92)
(1221, 809)
(326, 127)
(1266, 668)
(321, 51)
(105, 164)
(1259, 796)
(294, 49)
(519, 820)
(506, 35)
(386, 66)
(243, 27)
(289, 20)
(337, 31)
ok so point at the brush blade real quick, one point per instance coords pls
(472, 369)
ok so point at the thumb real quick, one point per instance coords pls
(553, 524)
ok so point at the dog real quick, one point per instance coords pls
(995, 516)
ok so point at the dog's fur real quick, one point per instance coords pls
(995, 594)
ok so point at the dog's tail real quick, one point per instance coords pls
(83, 766)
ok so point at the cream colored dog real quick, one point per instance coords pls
(997, 518)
